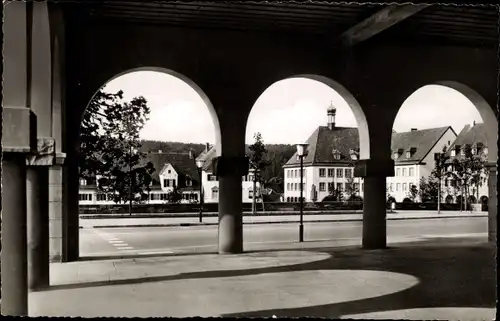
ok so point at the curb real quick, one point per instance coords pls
(276, 222)
(209, 214)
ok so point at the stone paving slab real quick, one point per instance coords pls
(417, 280)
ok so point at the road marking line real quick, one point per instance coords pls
(115, 241)
(126, 248)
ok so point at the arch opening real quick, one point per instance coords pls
(440, 126)
(312, 109)
(160, 164)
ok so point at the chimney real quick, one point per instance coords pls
(207, 147)
(413, 129)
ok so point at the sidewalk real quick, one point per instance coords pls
(194, 221)
(418, 280)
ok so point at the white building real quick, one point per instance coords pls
(332, 152)
(210, 184)
(473, 137)
(413, 153)
(172, 170)
(329, 164)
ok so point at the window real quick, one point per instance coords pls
(398, 171)
(395, 156)
(404, 171)
(296, 173)
(410, 171)
(165, 182)
(453, 153)
(250, 193)
(163, 196)
(83, 182)
(336, 156)
(287, 186)
(101, 197)
(340, 173)
(348, 173)
(296, 187)
(169, 171)
(322, 172)
(212, 178)
(330, 172)
(408, 154)
(404, 187)
(215, 192)
(340, 186)
(398, 187)
(189, 182)
(288, 199)
(322, 187)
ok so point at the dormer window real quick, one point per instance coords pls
(453, 153)
(336, 154)
(395, 156)
(408, 154)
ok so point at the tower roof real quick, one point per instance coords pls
(331, 108)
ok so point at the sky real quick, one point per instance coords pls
(287, 112)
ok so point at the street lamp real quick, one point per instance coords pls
(301, 152)
(199, 165)
(132, 151)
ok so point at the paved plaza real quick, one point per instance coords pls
(441, 278)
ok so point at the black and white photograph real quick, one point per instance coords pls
(270, 159)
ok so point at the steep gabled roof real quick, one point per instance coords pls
(423, 140)
(470, 134)
(181, 162)
(211, 154)
(322, 143)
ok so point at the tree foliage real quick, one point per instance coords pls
(110, 147)
(174, 196)
(428, 189)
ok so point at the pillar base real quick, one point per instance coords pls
(374, 214)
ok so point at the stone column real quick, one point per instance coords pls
(229, 171)
(38, 213)
(492, 202)
(17, 140)
(374, 206)
(56, 209)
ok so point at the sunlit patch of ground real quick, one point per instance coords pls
(215, 296)
(451, 314)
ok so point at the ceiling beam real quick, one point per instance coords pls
(380, 21)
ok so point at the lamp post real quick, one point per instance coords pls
(132, 151)
(301, 152)
(199, 165)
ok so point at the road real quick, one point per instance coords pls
(156, 240)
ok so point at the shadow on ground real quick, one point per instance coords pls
(451, 273)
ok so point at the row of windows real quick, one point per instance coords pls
(169, 182)
(339, 172)
(153, 197)
(338, 186)
(402, 171)
(398, 186)
(294, 186)
(332, 172)
(322, 186)
(293, 173)
(294, 199)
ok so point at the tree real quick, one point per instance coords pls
(257, 164)
(110, 146)
(439, 172)
(413, 192)
(428, 189)
(351, 188)
(468, 170)
(174, 196)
